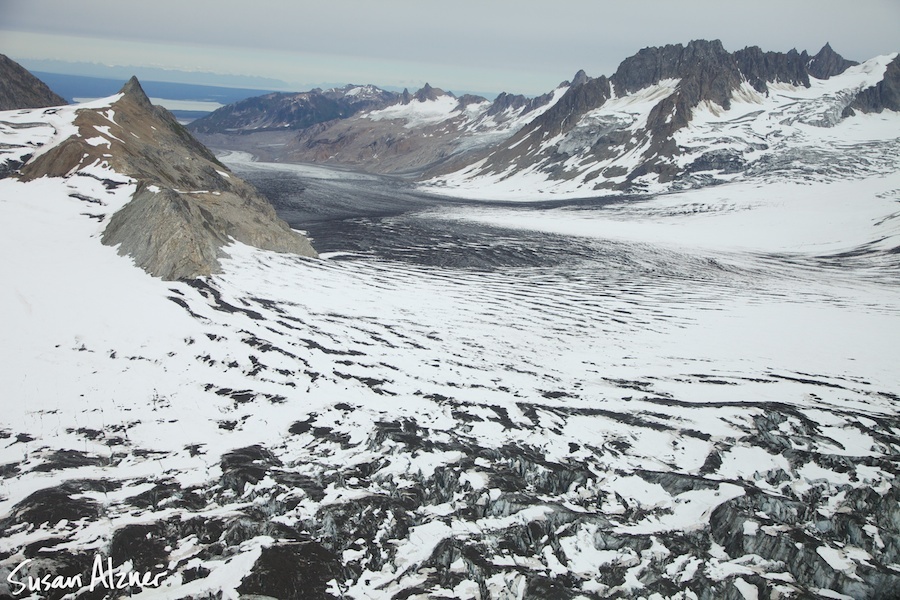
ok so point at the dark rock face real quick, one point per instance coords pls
(427, 93)
(759, 67)
(575, 102)
(708, 69)
(21, 89)
(580, 78)
(884, 95)
(828, 63)
(708, 72)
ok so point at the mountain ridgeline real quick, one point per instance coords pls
(705, 73)
(608, 133)
(282, 110)
(186, 205)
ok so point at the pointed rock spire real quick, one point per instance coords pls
(428, 93)
(135, 92)
(580, 78)
(828, 63)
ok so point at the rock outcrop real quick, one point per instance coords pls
(187, 205)
(760, 68)
(426, 92)
(884, 95)
(21, 89)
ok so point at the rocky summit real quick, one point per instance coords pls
(186, 205)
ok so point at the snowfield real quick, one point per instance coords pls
(698, 399)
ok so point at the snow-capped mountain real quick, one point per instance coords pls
(693, 396)
(684, 116)
(669, 118)
(410, 133)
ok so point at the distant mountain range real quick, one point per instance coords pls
(669, 117)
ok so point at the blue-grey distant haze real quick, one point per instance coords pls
(488, 46)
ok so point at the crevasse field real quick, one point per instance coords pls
(692, 395)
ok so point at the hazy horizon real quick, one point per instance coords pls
(526, 47)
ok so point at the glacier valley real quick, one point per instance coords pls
(692, 395)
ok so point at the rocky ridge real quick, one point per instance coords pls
(828, 63)
(186, 205)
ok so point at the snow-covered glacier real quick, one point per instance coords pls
(692, 395)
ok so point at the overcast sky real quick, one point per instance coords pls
(521, 46)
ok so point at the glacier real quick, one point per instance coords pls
(686, 395)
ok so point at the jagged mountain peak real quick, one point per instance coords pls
(427, 92)
(133, 90)
(708, 60)
(580, 78)
(505, 101)
(828, 63)
(653, 64)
